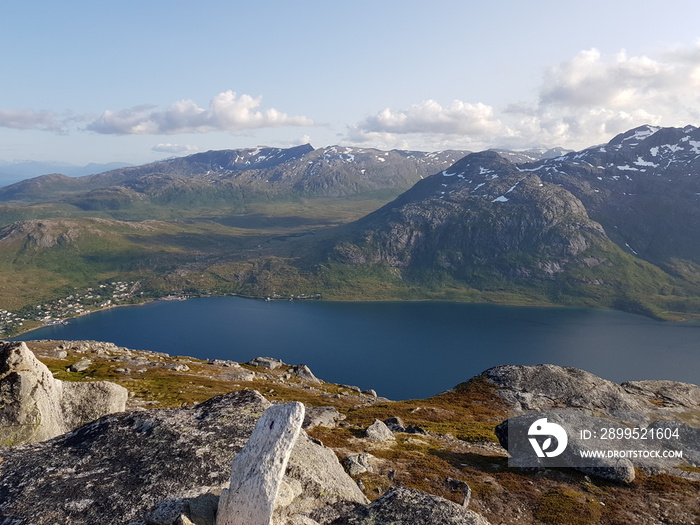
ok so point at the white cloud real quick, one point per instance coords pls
(459, 118)
(588, 99)
(175, 148)
(226, 112)
(429, 125)
(413, 141)
(581, 102)
(31, 119)
(589, 80)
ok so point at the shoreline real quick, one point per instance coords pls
(318, 297)
(169, 297)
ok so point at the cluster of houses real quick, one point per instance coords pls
(10, 321)
(57, 311)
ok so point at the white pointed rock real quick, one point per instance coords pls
(257, 471)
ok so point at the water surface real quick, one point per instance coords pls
(402, 350)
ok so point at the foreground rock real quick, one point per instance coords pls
(127, 463)
(305, 373)
(267, 362)
(322, 417)
(161, 464)
(404, 506)
(670, 394)
(356, 464)
(599, 415)
(378, 431)
(316, 486)
(257, 471)
(36, 407)
(544, 387)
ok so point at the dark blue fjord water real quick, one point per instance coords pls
(402, 350)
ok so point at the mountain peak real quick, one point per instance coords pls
(483, 163)
(634, 136)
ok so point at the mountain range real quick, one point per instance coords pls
(613, 220)
(246, 175)
(613, 225)
(238, 177)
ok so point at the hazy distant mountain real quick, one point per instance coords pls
(236, 176)
(12, 172)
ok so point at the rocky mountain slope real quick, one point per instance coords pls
(643, 187)
(158, 465)
(238, 176)
(586, 223)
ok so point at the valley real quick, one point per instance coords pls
(610, 226)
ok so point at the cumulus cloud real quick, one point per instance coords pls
(431, 125)
(175, 149)
(31, 119)
(226, 112)
(589, 80)
(429, 116)
(591, 97)
(581, 102)
(417, 141)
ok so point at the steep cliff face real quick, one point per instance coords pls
(483, 211)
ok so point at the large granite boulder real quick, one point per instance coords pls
(305, 373)
(544, 387)
(116, 469)
(378, 431)
(514, 437)
(34, 406)
(318, 487)
(600, 446)
(267, 362)
(322, 417)
(590, 409)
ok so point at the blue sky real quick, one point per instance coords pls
(136, 81)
